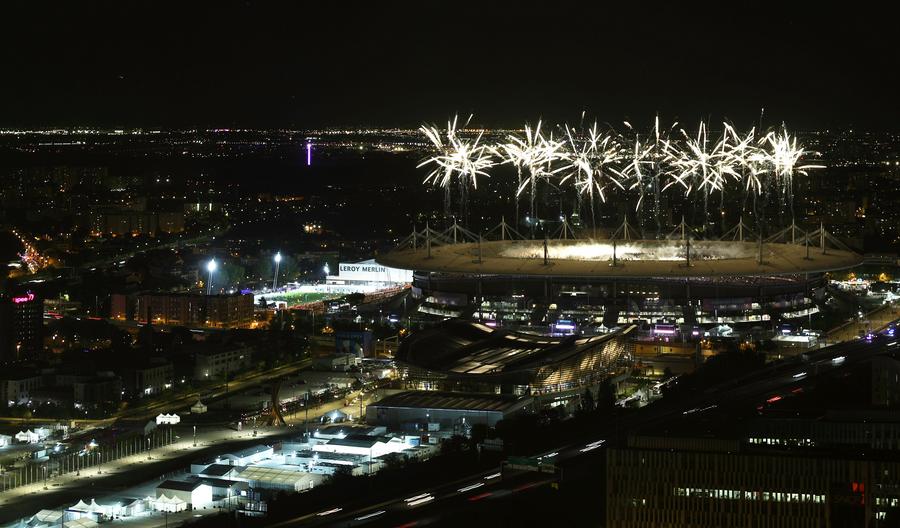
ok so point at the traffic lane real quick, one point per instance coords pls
(435, 510)
(349, 511)
(478, 488)
(414, 501)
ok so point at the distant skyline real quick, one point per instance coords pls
(170, 64)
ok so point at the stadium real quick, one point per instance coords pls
(565, 285)
(555, 312)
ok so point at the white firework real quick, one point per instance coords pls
(536, 155)
(457, 160)
(701, 164)
(648, 161)
(785, 155)
(591, 161)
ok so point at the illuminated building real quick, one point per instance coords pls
(184, 309)
(596, 285)
(21, 326)
(473, 358)
(214, 362)
(669, 482)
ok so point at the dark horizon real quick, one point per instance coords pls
(265, 66)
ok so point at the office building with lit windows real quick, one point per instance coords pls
(21, 326)
(685, 482)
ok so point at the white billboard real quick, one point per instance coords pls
(371, 271)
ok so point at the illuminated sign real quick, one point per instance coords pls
(565, 324)
(664, 329)
(28, 297)
(370, 271)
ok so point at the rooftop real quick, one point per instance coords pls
(466, 348)
(273, 475)
(348, 429)
(451, 401)
(217, 470)
(180, 485)
(708, 258)
(250, 451)
(358, 440)
(345, 457)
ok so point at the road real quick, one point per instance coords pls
(768, 386)
(488, 485)
(871, 321)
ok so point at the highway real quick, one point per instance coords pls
(485, 486)
(766, 387)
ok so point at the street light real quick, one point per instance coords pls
(277, 262)
(211, 268)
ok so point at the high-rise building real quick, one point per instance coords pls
(21, 326)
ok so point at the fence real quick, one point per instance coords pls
(93, 456)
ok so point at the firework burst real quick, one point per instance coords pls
(457, 160)
(591, 162)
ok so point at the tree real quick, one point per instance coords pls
(479, 432)
(355, 298)
(394, 461)
(587, 401)
(265, 268)
(606, 396)
(236, 273)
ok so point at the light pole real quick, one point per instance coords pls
(277, 262)
(211, 268)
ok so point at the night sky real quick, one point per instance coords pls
(329, 63)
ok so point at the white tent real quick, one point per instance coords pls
(28, 436)
(48, 516)
(93, 507)
(120, 508)
(198, 408)
(79, 506)
(84, 522)
(168, 419)
(169, 504)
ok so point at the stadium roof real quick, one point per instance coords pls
(494, 259)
